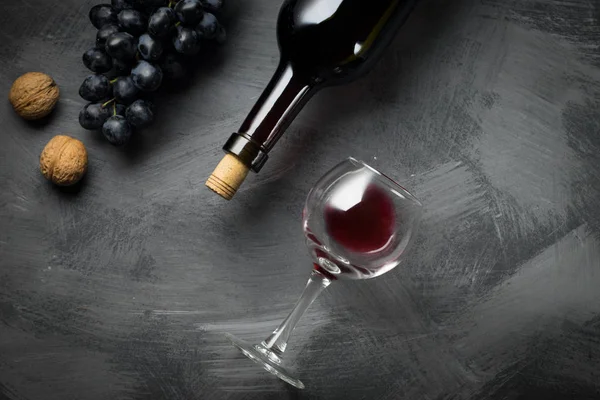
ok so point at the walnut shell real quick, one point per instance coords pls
(64, 160)
(34, 95)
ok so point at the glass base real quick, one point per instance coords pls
(265, 358)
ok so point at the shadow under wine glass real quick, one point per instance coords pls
(358, 224)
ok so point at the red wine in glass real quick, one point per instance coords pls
(365, 227)
(357, 223)
(358, 226)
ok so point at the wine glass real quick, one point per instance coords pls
(358, 224)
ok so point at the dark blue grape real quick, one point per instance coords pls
(93, 116)
(140, 113)
(122, 67)
(119, 109)
(221, 35)
(120, 5)
(117, 130)
(187, 41)
(162, 22)
(208, 26)
(102, 14)
(175, 67)
(95, 88)
(124, 90)
(104, 33)
(115, 108)
(146, 76)
(150, 49)
(189, 12)
(149, 4)
(168, 44)
(212, 5)
(133, 22)
(97, 60)
(121, 46)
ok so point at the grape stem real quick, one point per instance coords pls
(108, 102)
(114, 108)
(114, 80)
(178, 23)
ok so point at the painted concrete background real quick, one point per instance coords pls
(488, 110)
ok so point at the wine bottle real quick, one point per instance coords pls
(321, 43)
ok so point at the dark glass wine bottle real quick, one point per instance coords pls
(322, 43)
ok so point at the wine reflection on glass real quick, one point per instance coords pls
(358, 224)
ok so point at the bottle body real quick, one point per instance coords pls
(321, 43)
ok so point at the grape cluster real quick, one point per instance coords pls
(139, 44)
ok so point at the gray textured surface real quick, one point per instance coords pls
(488, 110)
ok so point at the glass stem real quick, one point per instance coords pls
(277, 341)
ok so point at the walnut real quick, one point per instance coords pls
(64, 160)
(34, 95)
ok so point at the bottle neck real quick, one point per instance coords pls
(284, 97)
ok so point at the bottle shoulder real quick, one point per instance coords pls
(332, 39)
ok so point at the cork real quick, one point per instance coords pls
(227, 177)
